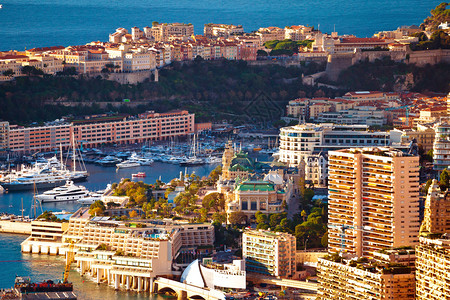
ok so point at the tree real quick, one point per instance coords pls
(8, 73)
(219, 217)
(30, 70)
(215, 201)
(237, 218)
(262, 53)
(445, 178)
(133, 214)
(97, 208)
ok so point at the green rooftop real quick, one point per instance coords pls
(262, 186)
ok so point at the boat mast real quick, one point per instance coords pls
(74, 153)
(61, 156)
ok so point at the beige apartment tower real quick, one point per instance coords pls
(373, 200)
(269, 253)
(433, 267)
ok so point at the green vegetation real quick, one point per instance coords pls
(136, 191)
(286, 47)
(97, 208)
(440, 14)
(49, 216)
(384, 74)
(213, 90)
(438, 40)
(32, 71)
(215, 201)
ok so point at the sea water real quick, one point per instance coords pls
(38, 23)
(43, 267)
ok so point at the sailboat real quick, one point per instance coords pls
(193, 160)
(47, 175)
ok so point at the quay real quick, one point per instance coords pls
(15, 226)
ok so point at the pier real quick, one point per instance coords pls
(14, 226)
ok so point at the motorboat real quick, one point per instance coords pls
(128, 164)
(40, 176)
(193, 161)
(67, 192)
(143, 161)
(139, 175)
(108, 161)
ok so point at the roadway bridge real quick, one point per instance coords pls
(186, 291)
(296, 284)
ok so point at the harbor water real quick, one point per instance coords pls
(44, 267)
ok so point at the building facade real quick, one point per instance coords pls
(269, 253)
(357, 279)
(373, 200)
(96, 131)
(433, 267)
(441, 147)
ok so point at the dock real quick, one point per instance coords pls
(15, 226)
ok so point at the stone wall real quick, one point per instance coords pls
(131, 78)
(338, 62)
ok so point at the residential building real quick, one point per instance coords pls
(4, 135)
(139, 61)
(441, 147)
(117, 36)
(222, 30)
(297, 32)
(129, 257)
(437, 210)
(433, 267)
(366, 115)
(164, 32)
(423, 135)
(270, 34)
(373, 200)
(431, 114)
(95, 131)
(448, 104)
(299, 141)
(269, 253)
(355, 279)
(365, 96)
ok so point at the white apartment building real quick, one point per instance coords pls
(367, 115)
(441, 146)
(311, 142)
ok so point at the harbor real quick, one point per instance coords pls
(45, 244)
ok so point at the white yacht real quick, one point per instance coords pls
(128, 164)
(94, 196)
(108, 161)
(143, 161)
(67, 192)
(41, 176)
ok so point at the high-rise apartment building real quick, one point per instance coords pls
(441, 147)
(373, 200)
(270, 253)
(357, 279)
(437, 210)
(433, 267)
